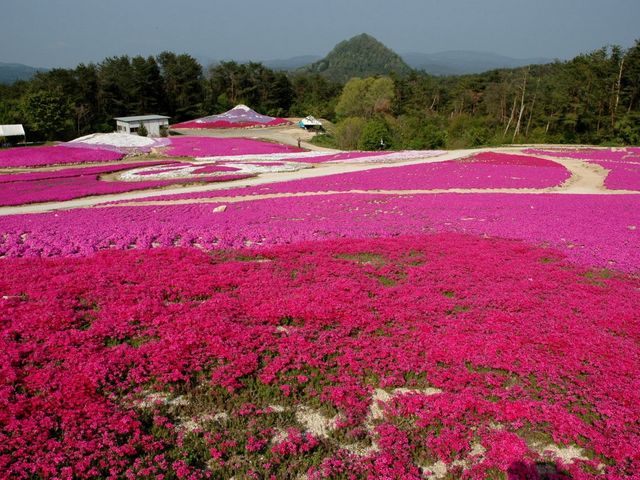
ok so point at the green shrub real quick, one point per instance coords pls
(324, 140)
(348, 132)
(375, 135)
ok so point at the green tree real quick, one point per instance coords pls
(314, 95)
(148, 89)
(349, 131)
(630, 81)
(375, 135)
(47, 115)
(85, 100)
(116, 87)
(366, 97)
(417, 132)
(231, 83)
(142, 130)
(183, 84)
(10, 102)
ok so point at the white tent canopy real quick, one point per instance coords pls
(12, 131)
(310, 121)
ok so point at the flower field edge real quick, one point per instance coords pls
(386, 357)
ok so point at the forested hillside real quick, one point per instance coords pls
(594, 98)
(10, 72)
(360, 56)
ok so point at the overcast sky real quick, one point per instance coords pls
(50, 33)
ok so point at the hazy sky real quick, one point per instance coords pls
(48, 33)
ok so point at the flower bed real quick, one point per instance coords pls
(240, 116)
(214, 124)
(583, 153)
(212, 147)
(34, 187)
(491, 170)
(387, 358)
(591, 229)
(487, 170)
(623, 164)
(54, 155)
(368, 157)
(198, 171)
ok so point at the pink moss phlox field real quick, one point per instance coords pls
(105, 361)
(60, 185)
(240, 116)
(342, 156)
(623, 164)
(193, 124)
(486, 170)
(54, 155)
(495, 158)
(73, 172)
(212, 147)
(367, 156)
(591, 229)
(584, 153)
(214, 169)
(178, 166)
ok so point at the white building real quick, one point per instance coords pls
(11, 133)
(153, 124)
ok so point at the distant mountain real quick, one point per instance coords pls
(10, 72)
(464, 62)
(361, 56)
(291, 63)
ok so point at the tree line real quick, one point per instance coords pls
(61, 104)
(593, 98)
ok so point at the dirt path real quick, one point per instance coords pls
(586, 178)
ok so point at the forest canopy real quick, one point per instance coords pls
(591, 99)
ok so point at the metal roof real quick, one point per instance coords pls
(311, 121)
(12, 131)
(141, 118)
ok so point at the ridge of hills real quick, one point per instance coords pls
(11, 72)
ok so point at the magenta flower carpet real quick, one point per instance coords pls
(55, 155)
(240, 116)
(473, 317)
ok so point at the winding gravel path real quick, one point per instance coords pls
(586, 178)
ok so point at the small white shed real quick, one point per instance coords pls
(10, 132)
(153, 124)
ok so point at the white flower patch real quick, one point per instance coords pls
(171, 172)
(120, 140)
(254, 168)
